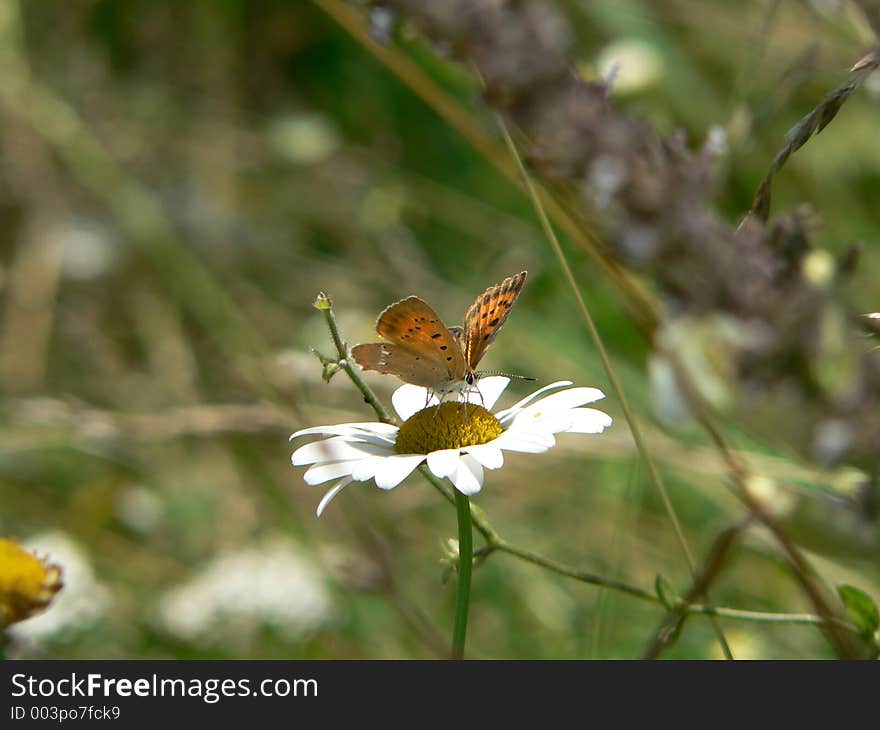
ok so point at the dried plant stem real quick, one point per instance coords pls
(635, 429)
(672, 624)
(844, 644)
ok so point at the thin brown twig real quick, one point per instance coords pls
(842, 643)
(672, 624)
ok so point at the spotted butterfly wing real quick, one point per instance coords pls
(486, 315)
(420, 349)
(390, 359)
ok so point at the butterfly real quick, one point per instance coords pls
(423, 351)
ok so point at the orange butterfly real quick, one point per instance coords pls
(423, 351)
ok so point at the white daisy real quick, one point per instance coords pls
(455, 440)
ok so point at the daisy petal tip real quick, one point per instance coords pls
(589, 421)
(599, 394)
(490, 457)
(326, 499)
(394, 469)
(468, 477)
(443, 463)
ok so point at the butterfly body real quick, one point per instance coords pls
(421, 350)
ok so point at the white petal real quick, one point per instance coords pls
(325, 500)
(409, 399)
(382, 439)
(443, 463)
(553, 414)
(325, 472)
(501, 415)
(392, 470)
(588, 420)
(525, 441)
(545, 422)
(489, 455)
(490, 389)
(339, 448)
(365, 469)
(468, 478)
(571, 398)
(349, 429)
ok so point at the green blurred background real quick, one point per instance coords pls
(177, 183)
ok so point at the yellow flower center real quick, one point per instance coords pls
(447, 426)
(27, 583)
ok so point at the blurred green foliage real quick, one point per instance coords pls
(199, 171)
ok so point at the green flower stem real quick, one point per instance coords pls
(324, 303)
(465, 566)
(735, 614)
(582, 576)
(495, 543)
(766, 617)
(478, 517)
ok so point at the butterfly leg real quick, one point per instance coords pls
(463, 396)
(441, 396)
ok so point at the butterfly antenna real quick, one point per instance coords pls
(507, 375)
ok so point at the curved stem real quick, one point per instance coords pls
(673, 622)
(465, 566)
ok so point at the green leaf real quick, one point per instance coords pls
(330, 365)
(330, 369)
(665, 592)
(861, 609)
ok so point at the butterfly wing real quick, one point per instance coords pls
(458, 334)
(487, 315)
(406, 364)
(421, 350)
